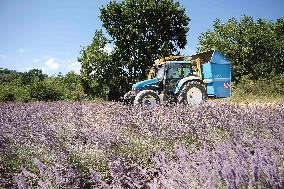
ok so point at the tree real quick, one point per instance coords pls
(99, 72)
(255, 48)
(7, 76)
(144, 30)
(71, 86)
(32, 76)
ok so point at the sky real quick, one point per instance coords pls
(49, 34)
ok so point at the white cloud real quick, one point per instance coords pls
(75, 66)
(22, 50)
(52, 64)
(35, 60)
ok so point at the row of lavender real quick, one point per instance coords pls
(109, 145)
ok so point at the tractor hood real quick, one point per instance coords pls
(142, 84)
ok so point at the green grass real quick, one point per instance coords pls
(248, 98)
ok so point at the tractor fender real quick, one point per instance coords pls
(183, 81)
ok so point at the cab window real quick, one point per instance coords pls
(178, 71)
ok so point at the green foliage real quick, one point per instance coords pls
(93, 61)
(144, 30)
(32, 76)
(256, 48)
(6, 93)
(8, 76)
(22, 94)
(45, 91)
(270, 87)
(100, 71)
(36, 86)
(9, 92)
(71, 86)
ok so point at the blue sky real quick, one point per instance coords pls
(48, 34)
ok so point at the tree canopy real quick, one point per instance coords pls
(144, 30)
(100, 72)
(256, 48)
(141, 31)
(33, 85)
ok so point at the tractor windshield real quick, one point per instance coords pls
(177, 71)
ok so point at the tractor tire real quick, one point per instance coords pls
(147, 98)
(192, 94)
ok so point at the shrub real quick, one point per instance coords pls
(22, 94)
(270, 87)
(7, 93)
(45, 91)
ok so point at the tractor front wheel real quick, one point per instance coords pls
(147, 98)
(192, 94)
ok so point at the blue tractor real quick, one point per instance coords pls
(187, 80)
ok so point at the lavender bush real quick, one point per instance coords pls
(109, 145)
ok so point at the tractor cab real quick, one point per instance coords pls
(174, 72)
(171, 72)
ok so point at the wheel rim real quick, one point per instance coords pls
(194, 96)
(149, 101)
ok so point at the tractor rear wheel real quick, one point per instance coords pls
(192, 94)
(147, 98)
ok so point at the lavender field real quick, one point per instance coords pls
(109, 145)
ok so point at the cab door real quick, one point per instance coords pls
(174, 73)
